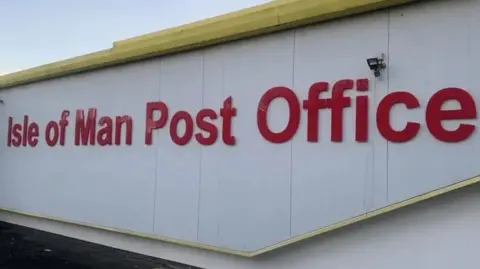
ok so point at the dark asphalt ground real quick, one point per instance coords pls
(24, 248)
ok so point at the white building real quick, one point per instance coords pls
(266, 152)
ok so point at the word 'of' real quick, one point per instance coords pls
(112, 129)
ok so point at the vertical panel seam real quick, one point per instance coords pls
(291, 141)
(201, 151)
(156, 155)
(388, 89)
(218, 181)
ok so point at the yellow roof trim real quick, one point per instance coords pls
(274, 16)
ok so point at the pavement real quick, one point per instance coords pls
(25, 248)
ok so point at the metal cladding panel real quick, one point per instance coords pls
(234, 185)
(111, 186)
(252, 198)
(178, 167)
(425, 57)
(331, 179)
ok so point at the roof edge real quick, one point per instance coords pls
(262, 19)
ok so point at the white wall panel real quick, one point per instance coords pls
(333, 181)
(210, 200)
(255, 193)
(112, 185)
(441, 233)
(432, 46)
(178, 167)
(251, 180)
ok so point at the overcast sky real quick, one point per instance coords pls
(35, 32)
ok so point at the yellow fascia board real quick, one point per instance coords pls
(261, 19)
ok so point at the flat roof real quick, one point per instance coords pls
(262, 19)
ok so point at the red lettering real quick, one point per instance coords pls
(435, 115)
(25, 134)
(361, 113)
(383, 117)
(32, 134)
(105, 134)
(63, 123)
(227, 112)
(185, 138)
(338, 103)
(17, 135)
(208, 127)
(313, 105)
(25, 131)
(85, 129)
(119, 122)
(152, 124)
(51, 139)
(362, 85)
(9, 133)
(294, 114)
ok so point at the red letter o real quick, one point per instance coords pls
(51, 141)
(181, 115)
(294, 114)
